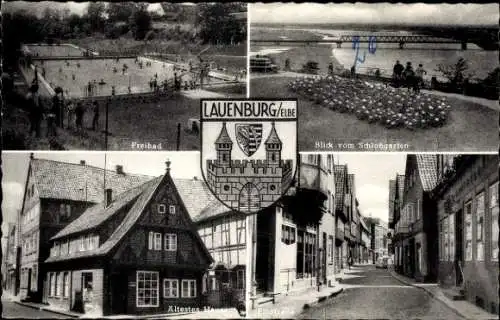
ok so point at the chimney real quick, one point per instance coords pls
(82, 162)
(109, 197)
(119, 169)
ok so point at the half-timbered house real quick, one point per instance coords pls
(136, 253)
(56, 193)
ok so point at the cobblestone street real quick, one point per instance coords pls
(374, 294)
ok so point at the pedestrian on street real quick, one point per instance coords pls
(350, 262)
(95, 120)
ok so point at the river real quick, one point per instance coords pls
(430, 55)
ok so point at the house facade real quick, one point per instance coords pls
(138, 253)
(55, 194)
(467, 204)
(416, 228)
(12, 259)
(293, 241)
(343, 204)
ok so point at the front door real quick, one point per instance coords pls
(29, 282)
(459, 248)
(119, 289)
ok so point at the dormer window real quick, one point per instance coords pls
(161, 208)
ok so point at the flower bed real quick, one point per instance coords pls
(374, 103)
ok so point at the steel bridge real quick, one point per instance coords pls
(340, 39)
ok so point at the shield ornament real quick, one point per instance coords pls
(257, 173)
(249, 137)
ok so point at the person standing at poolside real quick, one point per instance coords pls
(95, 120)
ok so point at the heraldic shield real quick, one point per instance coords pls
(248, 151)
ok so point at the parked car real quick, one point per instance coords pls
(382, 262)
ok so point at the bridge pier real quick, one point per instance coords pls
(401, 45)
(464, 45)
(339, 44)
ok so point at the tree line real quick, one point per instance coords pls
(212, 23)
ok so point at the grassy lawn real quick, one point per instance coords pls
(470, 127)
(141, 123)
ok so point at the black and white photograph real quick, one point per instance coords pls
(380, 236)
(381, 76)
(118, 235)
(117, 75)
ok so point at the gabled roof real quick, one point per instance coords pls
(77, 182)
(340, 182)
(128, 221)
(97, 214)
(427, 168)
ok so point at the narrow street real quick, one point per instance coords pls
(12, 310)
(374, 294)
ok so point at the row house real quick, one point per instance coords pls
(364, 252)
(467, 209)
(342, 216)
(224, 234)
(415, 230)
(55, 194)
(292, 244)
(11, 260)
(136, 253)
(353, 221)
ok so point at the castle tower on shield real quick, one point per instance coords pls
(249, 185)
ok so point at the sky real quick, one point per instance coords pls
(372, 174)
(417, 13)
(75, 7)
(15, 169)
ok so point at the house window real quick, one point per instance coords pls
(494, 220)
(225, 233)
(147, 289)
(68, 210)
(157, 245)
(59, 284)
(240, 230)
(417, 210)
(170, 242)
(170, 288)
(81, 241)
(66, 285)
(150, 240)
(468, 231)
(451, 240)
(480, 227)
(52, 291)
(171, 209)
(161, 208)
(287, 234)
(188, 288)
(446, 252)
(330, 249)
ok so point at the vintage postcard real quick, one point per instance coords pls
(380, 76)
(117, 76)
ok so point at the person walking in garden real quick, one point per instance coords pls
(397, 73)
(409, 76)
(95, 120)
